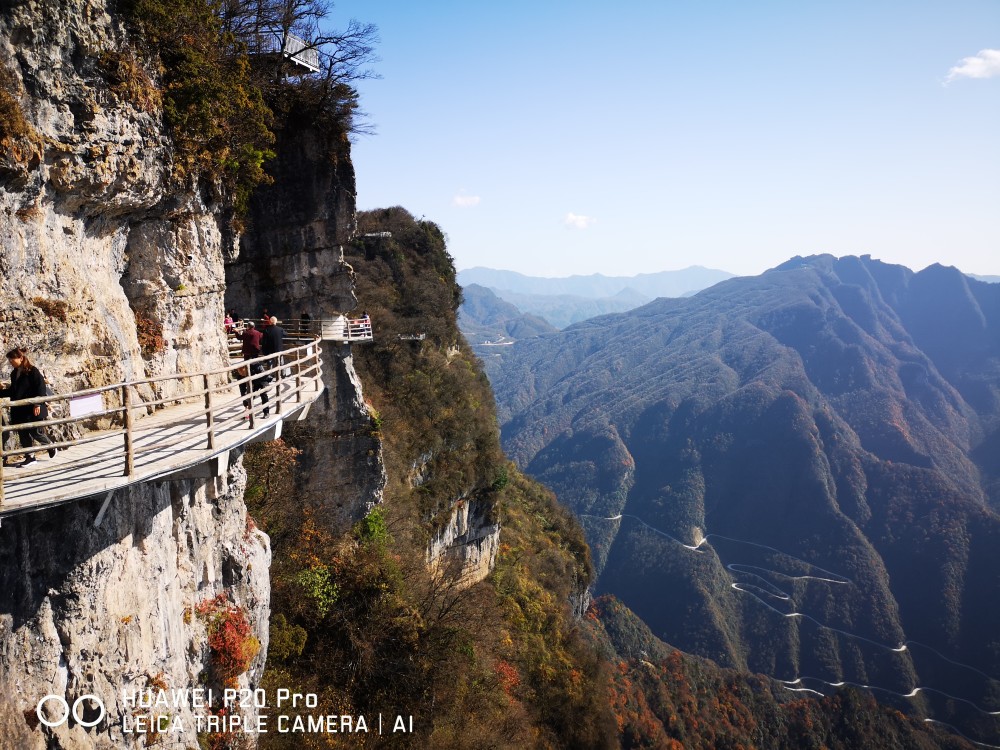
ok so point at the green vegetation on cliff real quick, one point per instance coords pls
(361, 619)
(213, 108)
(219, 93)
(439, 431)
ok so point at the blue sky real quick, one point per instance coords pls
(555, 138)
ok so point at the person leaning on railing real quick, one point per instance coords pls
(26, 381)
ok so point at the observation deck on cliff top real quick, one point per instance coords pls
(295, 50)
(119, 440)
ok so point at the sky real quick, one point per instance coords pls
(556, 138)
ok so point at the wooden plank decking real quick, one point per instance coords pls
(170, 443)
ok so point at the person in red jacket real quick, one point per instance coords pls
(251, 339)
(26, 381)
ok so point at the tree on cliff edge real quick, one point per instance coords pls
(344, 53)
(222, 104)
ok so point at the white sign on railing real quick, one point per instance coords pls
(81, 406)
(217, 409)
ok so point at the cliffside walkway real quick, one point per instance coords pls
(120, 440)
(342, 329)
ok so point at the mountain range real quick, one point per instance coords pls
(661, 284)
(568, 300)
(796, 473)
(484, 316)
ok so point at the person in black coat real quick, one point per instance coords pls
(26, 381)
(273, 342)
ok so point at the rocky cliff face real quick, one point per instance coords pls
(290, 257)
(93, 239)
(469, 540)
(114, 610)
(340, 467)
(291, 261)
(109, 273)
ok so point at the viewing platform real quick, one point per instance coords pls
(340, 328)
(295, 50)
(190, 436)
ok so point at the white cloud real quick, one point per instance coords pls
(984, 65)
(576, 221)
(465, 201)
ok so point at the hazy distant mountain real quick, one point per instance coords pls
(491, 325)
(796, 473)
(562, 310)
(650, 285)
(485, 317)
(987, 279)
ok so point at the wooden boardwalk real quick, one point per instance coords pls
(184, 439)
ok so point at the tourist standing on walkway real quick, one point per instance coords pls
(273, 343)
(26, 381)
(273, 340)
(251, 339)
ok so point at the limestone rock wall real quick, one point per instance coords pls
(96, 244)
(102, 610)
(340, 468)
(290, 260)
(469, 540)
(93, 233)
(290, 257)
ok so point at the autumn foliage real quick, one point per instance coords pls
(231, 641)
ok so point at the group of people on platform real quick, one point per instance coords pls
(27, 381)
(233, 323)
(257, 343)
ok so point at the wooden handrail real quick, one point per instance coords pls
(330, 329)
(129, 441)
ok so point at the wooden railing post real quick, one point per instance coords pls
(2, 459)
(129, 446)
(277, 385)
(298, 376)
(210, 417)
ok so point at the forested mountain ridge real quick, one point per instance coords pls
(832, 427)
(483, 316)
(506, 662)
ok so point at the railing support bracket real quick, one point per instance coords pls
(104, 508)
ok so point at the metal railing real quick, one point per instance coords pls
(291, 375)
(288, 45)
